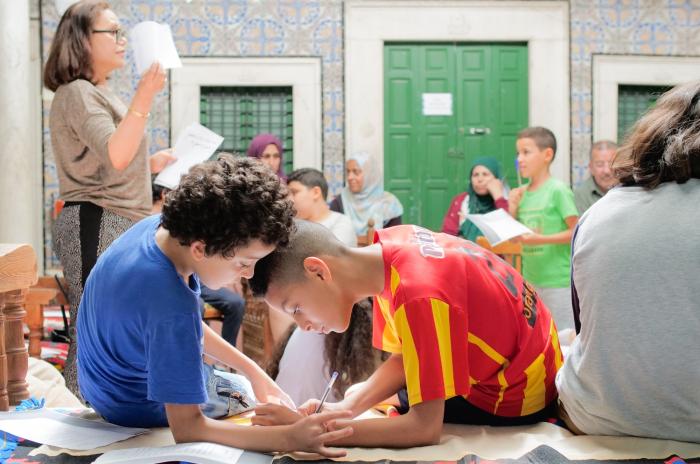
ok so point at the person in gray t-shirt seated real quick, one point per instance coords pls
(601, 179)
(634, 368)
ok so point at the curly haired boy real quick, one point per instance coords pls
(141, 338)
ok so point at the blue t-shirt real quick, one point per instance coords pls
(139, 333)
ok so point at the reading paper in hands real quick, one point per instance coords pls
(194, 145)
(498, 226)
(153, 42)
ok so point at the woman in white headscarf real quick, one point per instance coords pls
(363, 197)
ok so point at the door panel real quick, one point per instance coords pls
(426, 157)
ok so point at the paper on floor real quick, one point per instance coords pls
(196, 453)
(52, 427)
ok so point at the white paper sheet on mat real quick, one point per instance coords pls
(51, 427)
(196, 453)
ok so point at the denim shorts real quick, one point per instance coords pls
(228, 394)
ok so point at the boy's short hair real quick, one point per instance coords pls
(310, 178)
(285, 265)
(543, 137)
(226, 203)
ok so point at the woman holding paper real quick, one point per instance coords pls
(98, 145)
(485, 193)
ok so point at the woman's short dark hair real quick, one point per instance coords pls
(226, 204)
(69, 56)
(664, 145)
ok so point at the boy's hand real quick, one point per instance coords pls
(267, 391)
(275, 414)
(514, 196)
(310, 434)
(310, 406)
(531, 239)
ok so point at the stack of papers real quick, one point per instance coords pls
(194, 145)
(498, 226)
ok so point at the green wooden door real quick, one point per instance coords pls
(428, 148)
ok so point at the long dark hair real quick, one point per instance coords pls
(349, 353)
(70, 54)
(664, 145)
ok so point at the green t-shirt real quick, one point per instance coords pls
(544, 211)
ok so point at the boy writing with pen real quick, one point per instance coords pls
(470, 340)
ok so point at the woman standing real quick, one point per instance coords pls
(98, 144)
(485, 193)
(364, 197)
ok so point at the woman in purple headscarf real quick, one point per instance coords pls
(268, 149)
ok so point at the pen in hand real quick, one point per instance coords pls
(325, 393)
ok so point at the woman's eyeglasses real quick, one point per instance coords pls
(118, 34)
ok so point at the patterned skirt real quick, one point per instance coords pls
(81, 233)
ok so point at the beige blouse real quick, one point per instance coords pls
(83, 117)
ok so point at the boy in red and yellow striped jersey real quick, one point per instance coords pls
(471, 342)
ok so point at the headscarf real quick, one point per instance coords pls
(257, 147)
(479, 204)
(372, 201)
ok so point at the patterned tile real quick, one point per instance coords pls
(651, 27)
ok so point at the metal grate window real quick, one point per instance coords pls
(240, 113)
(632, 102)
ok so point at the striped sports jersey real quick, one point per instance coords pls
(465, 322)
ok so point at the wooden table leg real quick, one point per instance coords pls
(4, 399)
(15, 349)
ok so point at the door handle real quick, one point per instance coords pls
(479, 130)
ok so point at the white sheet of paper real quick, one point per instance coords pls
(437, 104)
(498, 226)
(194, 145)
(153, 42)
(51, 427)
(197, 453)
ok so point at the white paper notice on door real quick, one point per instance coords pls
(437, 104)
(194, 145)
(153, 42)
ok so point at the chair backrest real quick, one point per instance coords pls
(510, 252)
(50, 281)
(368, 238)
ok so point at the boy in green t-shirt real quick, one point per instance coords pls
(545, 205)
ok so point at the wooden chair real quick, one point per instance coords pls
(510, 252)
(257, 334)
(46, 291)
(368, 238)
(18, 271)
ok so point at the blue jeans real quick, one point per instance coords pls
(228, 394)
